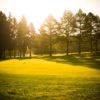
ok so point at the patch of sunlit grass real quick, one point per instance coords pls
(44, 67)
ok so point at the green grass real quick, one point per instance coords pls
(59, 77)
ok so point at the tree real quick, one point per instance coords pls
(22, 35)
(50, 27)
(4, 36)
(80, 19)
(44, 40)
(32, 34)
(12, 31)
(67, 27)
(97, 32)
(89, 28)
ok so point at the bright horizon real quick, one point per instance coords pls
(36, 11)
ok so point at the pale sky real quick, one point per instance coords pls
(37, 10)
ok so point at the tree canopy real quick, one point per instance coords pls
(78, 32)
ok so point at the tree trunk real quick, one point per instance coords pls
(91, 46)
(9, 53)
(80, 44)
(0, 54)
(91, 42)
(20, 53)
(50, 44)
(30, 52)
(4, 55)
(80, 40)
(14, 53)
(23, 53)
(67, 44)
(50, 49)
(96, 46)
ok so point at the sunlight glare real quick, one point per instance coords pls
(37, 10)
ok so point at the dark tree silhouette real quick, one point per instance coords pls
(97, 33)
(12, 30)
(89, 28)
(4, 35)
(80, 19)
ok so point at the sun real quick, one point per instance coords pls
(34, 10)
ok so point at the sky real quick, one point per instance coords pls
(37, 10)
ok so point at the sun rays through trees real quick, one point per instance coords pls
(79, 32)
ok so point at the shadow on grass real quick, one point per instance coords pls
(19, 58)
(92, 61)
(87, 60)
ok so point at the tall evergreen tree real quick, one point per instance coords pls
(50, 26)
(80, 20)
(32, 34)
(4, 36)
(97, 33)
(22, 35)
(89, 28)
(67, 27)
(12, 30)
(44, 40)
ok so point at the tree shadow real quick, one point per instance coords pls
(92, 61)
(19, 58)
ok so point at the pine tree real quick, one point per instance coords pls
(80, 20)
(67, 27)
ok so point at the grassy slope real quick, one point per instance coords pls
(58, 77)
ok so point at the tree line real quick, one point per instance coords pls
(79, 32)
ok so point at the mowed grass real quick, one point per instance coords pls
(59, 77)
